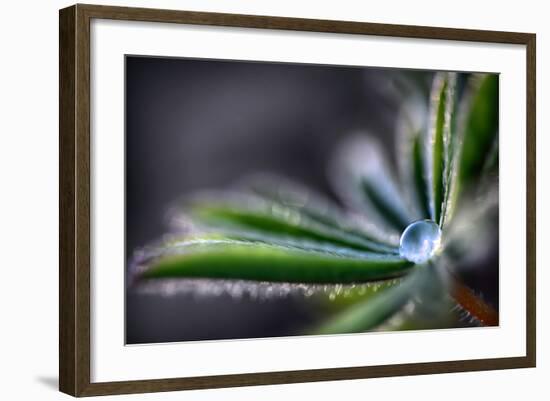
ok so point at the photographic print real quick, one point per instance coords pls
(278, 199)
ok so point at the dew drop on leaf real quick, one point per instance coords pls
(420, 241)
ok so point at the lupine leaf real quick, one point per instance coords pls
(419, 172)
(474, 142)
(230, 259)
(411, 123)
(436, 143)
(314, 206)
(471, 234)
(479, 128)
(430, 305)
(450, 151)
(363, 178)
(490, 167)
(373, 311)
(426, 313)
(276, 220)
(340, 297)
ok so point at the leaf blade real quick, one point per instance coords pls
(480, 126)
(419, 178)
(438, 142)
(314, 206)
(277, 220)
(229, 259)
(373, 311)
(363, 177)
(411, 125)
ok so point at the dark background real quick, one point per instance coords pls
(198, 124)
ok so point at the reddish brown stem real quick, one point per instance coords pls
(468, 300)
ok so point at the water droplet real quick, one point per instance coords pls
(420, 241)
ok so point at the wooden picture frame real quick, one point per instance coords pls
(75, 203)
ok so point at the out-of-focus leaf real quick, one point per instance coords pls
(419, 174)
(411, 123)
(314, 206)
(390, 89)
(490, 167)
(230, 259)
(437, 141)
(451, 151)
(363, 178)
(430, 306)
(340, 296)
(373, 191)
(413, 82)
(479, 127)
(373, 311)
(470, 237)
(276, 220)
(424, 313)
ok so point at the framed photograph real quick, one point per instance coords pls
(251, 200)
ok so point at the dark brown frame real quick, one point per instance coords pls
(74, 199)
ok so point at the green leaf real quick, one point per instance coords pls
(490, 167)
(276, 220)
(340, 297)
(451, 147)
(373, 311)
(479, 128)
(230, 259)
(470, 236)
(313, 206)
(419, 174)
(374, 192)
(426, 313)
(363, 178)
(474, 143)
(411, 124)
(438, 140)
